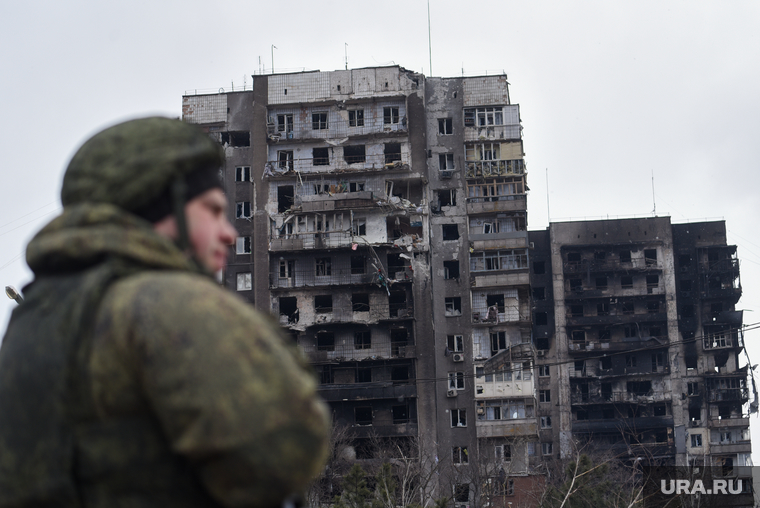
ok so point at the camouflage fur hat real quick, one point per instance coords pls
(134, 163)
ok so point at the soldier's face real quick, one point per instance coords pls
(209, 230)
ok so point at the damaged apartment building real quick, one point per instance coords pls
(383, 220)
(639, 341)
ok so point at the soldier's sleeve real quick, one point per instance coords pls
(230, 394)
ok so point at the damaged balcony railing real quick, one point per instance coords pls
(721, 340)
(332, 276)
(579, 397)
(347, 351)
(286, 164)
(312, 240)
(475, 169)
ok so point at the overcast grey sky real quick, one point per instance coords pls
(611, 93)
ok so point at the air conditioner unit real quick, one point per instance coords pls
(541, 353)
(696, 423)
(446, 175)
(452, 393)
(458, 357)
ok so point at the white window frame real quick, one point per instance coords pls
(456, 380)
(545, 422)
(391, 115)
(446, 161)
(445, 126)
(243, 209)
(356, 118)
(546, 448)
(459, 455)
(460, 417)
(457, 341)
(320, 125)
(285, 122)
(244, 281)
(545, 396)
(243, 245)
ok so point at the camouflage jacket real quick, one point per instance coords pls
(129, 379)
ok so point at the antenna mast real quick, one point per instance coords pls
(430, 46)
(548, 214)
(345, 49)
(654, 203)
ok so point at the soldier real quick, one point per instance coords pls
(128, 377)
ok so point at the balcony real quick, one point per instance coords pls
(604, 398)
(337, 199)
(367, 391)
(616, 319)
(339, 354)
(728, 394)
(489, 168)
(725, 422)
(501, 428)
(508, 203)
(374, 431)
(627, 424)
(585, 266)
(309, 278)
(492, 132)
(368, 162)
(723, 340)
(731, 448)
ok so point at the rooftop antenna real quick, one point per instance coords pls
(260, 72)
(430, 47)
(273, 48)
(345, 48)
(654, 203)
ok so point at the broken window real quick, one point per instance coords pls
(243, 209)
(576, 310)
(285, 123)
(495, 301)
(447, 197)
(236, 139)
(650, 257)
(693, 388)
(356, 118)
(684, 261)
(400, 414)
(355, 186)
(243, 174)
(578, 336)
(445, 161)
(603, 309)
(601, 283)
(390, 115)
(652, 282)
(484, 117)
(456, 380)
(287, 268)
(498, 342)
(658, 361)
(576, 285)
(455, 343)
(397, 303)
(630, 331)
(359, 226)
(541, 319)
(600, 255)
(358, 265)
(326, 376)
(289, 308)
(285, 198)
(627, 307)
(392, 152)
(461, 492)
(543, 371)
(363, 415)
(400, 374)
(605, 334)
(630, 361)
(323, 304)
(515, 259)
(319, 121)
(625, 256)
(639, 387)
(696, 440)
(453, 306)
(605, 363)
(539, 267)
(546, 422)
(573, 257)
(687, 311)
(320, 156)
(353, 154)
(460, 455)
(653, 307)
(459, 418)
(626, 281)
(363, 375)
(244, 282)
(323, 267)
(445, 126)
(360, 302)
(544, 396)
(325, 341)
(285, 159)
(451, 269)
(243, 245)
(450, 231)
(539, 293)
